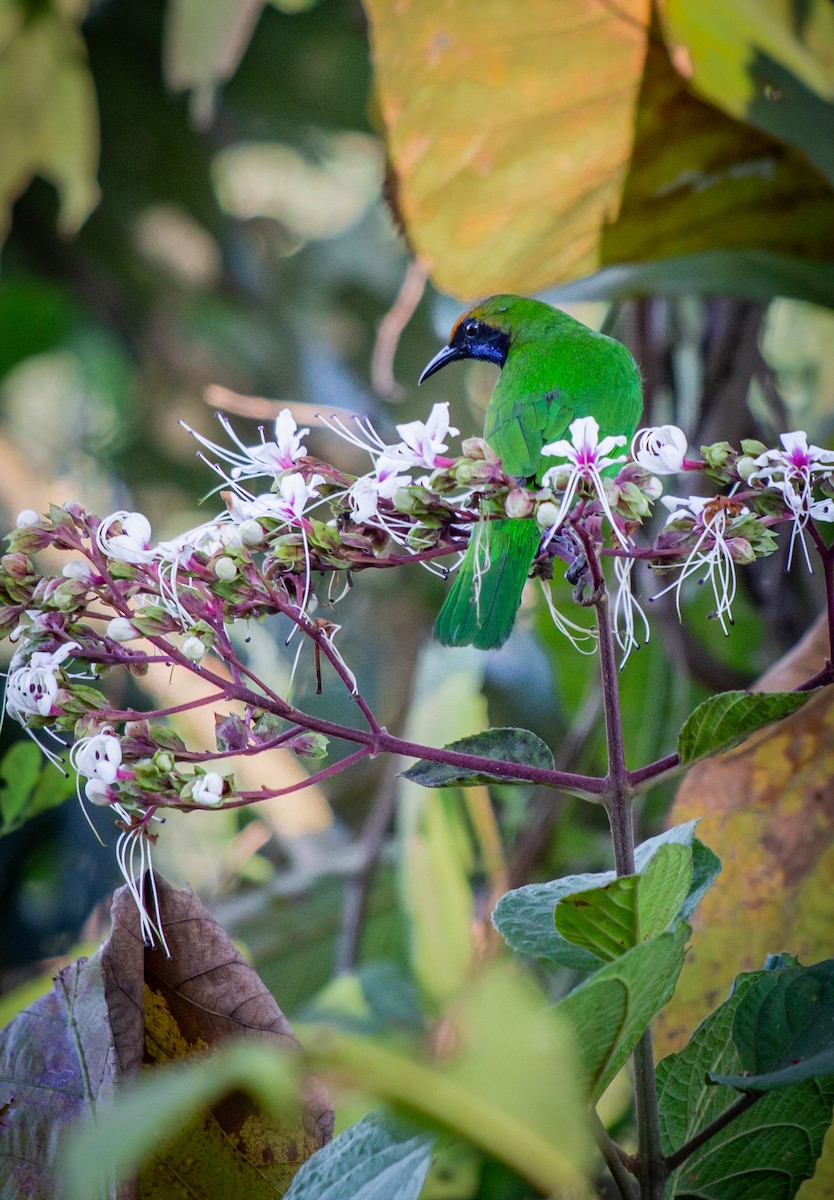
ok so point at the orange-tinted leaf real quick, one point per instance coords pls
(534, 144)
(767, 809)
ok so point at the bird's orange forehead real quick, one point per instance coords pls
(485, 311)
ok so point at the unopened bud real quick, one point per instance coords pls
(26, 517)
(547, 514)
(121, 630)
(225, 569)
(18, 566)
(193, 649)
(519, 503)
(746, 466)
(251, 533)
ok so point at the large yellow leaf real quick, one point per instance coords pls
(767, 810)
(533, 144)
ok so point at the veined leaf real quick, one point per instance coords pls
(729, 717)
(768, 1150)
(612, 1010)
(524, 917)
(378, 1158)
(505, 745)
(783, 1029)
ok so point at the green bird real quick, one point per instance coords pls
(553, 370)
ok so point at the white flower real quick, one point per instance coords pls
(27, 517)
(423, 442)
(98, 792)
(78, 568)
(132, 544)
(294, 494)
(712, 553)
(31, 690)
(587, 457)
(660, 449)
(98, 757)
(365, 494)
(207, 789)
(793, 471)
(121, 630)
(264, 458)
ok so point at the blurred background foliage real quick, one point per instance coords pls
(246, 205)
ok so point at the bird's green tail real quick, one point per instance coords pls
(502, 553)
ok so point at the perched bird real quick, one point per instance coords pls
(553, 370)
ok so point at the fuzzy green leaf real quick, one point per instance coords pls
(506, 745)
(767, 1151)
(783, 1029)
(524, 917)
(728, 718)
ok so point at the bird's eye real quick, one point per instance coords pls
(471, 329)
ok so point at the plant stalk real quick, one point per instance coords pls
(652, 1170)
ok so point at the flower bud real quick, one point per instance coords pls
(717, 454)
(251, 533)
(78, 568)
(121, 630)
(26, 517)
(225, 569)
(164, 761)
(309, 745)
(18, 566)
(745, 466)
(193, 649)
(547, 514)
(519, 503)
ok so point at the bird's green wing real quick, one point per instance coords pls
(518, 426)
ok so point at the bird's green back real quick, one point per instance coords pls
(556, 370)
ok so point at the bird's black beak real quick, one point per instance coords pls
(446, 355)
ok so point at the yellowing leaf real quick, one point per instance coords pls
(534, 144)
(767, 808)
(51, 128)
(510, 129)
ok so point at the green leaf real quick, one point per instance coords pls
(28, 786)
(495, 1087)
(730, 717)
(378, 1158)
(612, 1010)
(164, 1101)
(601, 920)
(760, 63)
(757, 274)
(524, 917)
(505, 745)
(783, 1029)
(664, 886)
(609, 920)
(766, 1152)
